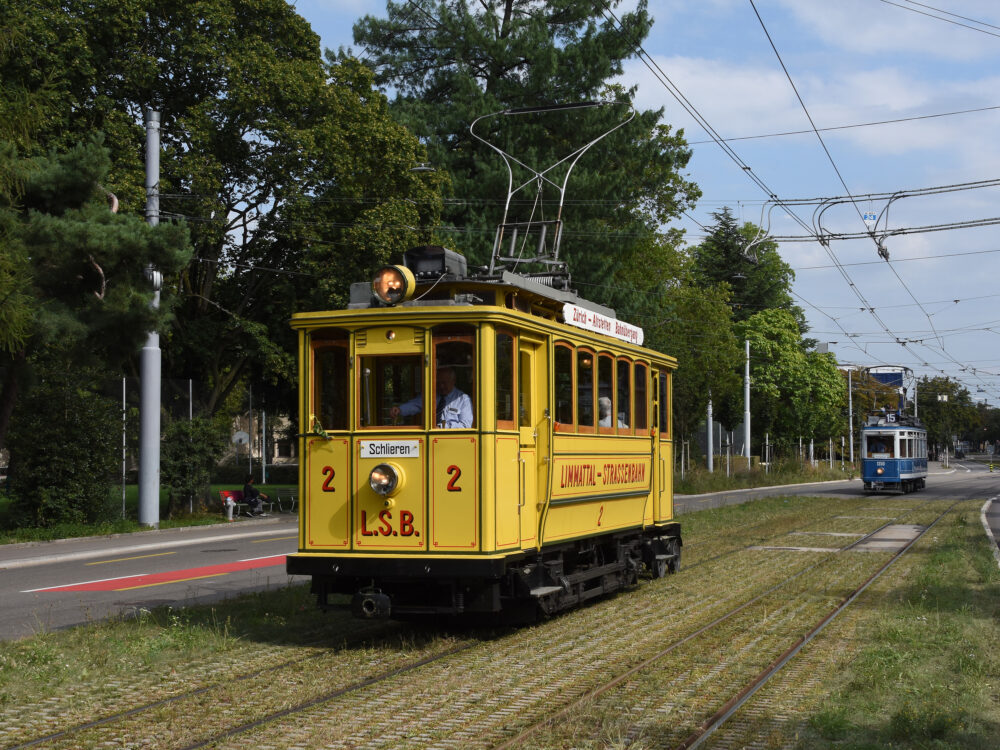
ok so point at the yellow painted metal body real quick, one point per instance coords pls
(498, 488)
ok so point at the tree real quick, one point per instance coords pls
(86, 299)
(191, 449)
(946, 409)
(689, 322)
(289, 171)
(793, 393)
(749, 265)
(455, 62)
(64, 449)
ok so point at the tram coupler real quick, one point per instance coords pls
(371, 605)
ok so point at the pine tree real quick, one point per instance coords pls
(455, 62)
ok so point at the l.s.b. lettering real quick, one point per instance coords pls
(385, 526)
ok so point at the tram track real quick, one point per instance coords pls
(669, 701)
(524, 736)
(196, 718)
(464, 716)
(737, 701)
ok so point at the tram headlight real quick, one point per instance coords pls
(384, 479)
(393, 284)
(880, 470)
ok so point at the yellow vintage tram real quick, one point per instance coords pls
(487, 442)
(544, 482)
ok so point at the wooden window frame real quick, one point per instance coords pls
(507, 424)
(646, 396)
(318, 346)
(557, 425)
(630, 430)
(464, 338)
(583, 429)
(605, 356)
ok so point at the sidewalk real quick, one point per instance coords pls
(25, 554)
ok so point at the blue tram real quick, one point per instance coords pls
(893, 453)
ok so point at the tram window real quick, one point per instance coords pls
(641, 399)
(524, 392)
(454, 376)
(585, 412)
(564, 386)
(664, 405)
(505, 381)
(330, 383)
(388, 382)
(605, 393)
(880, 446)
(624, 402)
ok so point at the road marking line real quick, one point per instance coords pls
(123, 559)
(124, 583)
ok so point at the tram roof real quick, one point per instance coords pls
(441, 279)
(892, 421)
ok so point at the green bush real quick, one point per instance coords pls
(188, 454)
(65, 443)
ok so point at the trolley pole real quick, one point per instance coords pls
(746, 405)
(149, 363)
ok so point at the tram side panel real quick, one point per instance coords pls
(599, 485)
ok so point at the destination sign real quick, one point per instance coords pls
(581, 317)
(389, 448)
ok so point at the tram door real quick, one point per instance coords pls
(534, 428)
(663, 450)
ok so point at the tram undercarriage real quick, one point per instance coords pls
(539, 582)
(903, 487)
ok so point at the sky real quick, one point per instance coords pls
(928, 73)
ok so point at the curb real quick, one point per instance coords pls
(989, 531)
(27, 562)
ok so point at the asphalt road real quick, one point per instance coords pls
(52, 585)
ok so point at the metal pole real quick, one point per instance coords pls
(250, 433)
(850, 410)
(710, 431)
(841, 452)
(124, 455)
(263, 447)
(831, 451)
(746, 406)
(191, 419)
(149, 363)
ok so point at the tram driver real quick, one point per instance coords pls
(453, 409)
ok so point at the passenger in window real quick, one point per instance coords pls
(453, 409)
(604, 413)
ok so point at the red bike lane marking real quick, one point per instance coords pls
(172, 576)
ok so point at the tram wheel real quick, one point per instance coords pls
(674, 563)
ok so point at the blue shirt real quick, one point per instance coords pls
(455, 410)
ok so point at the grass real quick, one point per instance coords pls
(698, 480)
(926, 673)
(129, 524)
(918, 670)
(160, 641)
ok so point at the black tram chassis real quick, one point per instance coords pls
(554, 578)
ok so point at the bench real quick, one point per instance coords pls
(289, 498)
